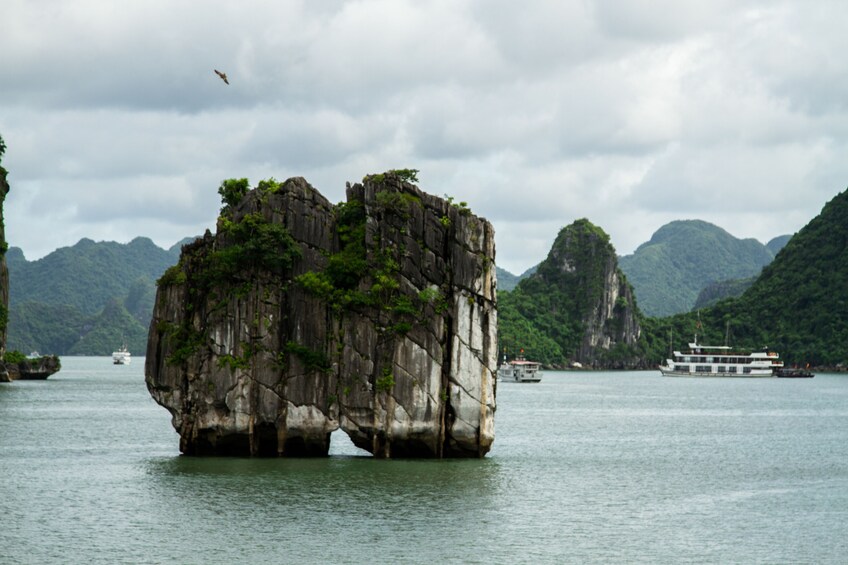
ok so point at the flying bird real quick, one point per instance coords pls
(222, 75)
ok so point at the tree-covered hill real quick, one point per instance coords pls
(508, 281)
(85, 299)
(798, 305)
(682, 257)
(88, 274)
(778, 243)
(577, 306)
(717, 291)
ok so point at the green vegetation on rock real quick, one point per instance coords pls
(549, 313)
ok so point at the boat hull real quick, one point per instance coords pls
(667, 373)
(514, 380)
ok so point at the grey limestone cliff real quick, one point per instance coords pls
(298, 317)
(580, 292)
(4, 275)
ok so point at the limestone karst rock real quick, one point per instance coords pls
(580, 301)
(4, 276)
(33, 369)
(298, 317)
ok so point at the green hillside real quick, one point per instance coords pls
(88, 274)
(85, 299)
(798, 306)
(717, 291)
(557, 314)
(778, 243)
(682, 257)
(506, 280)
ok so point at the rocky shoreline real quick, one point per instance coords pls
(30, 369)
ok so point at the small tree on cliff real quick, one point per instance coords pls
(232, 191)
(2, 148)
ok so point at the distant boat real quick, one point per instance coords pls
(121, 356)
(34, 354)
(721, 361)
(519, 370)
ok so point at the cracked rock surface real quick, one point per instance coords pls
(383, 324)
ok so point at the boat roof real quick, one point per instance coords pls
(523, 362)
(727, 351)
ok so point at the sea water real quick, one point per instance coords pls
(603, 467)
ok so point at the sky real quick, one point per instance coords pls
(631, 113)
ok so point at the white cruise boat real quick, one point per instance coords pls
(519, 370)
(721, 361)
(121, 356)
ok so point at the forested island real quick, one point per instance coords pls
(796, 306)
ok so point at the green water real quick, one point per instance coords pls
(587, 467)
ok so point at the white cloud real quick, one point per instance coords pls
(630, 113)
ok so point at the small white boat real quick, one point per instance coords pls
(121, 356)
(519, 370)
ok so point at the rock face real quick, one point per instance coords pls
(4, 275)
(376, 316)
(4, 271)
(33, 369)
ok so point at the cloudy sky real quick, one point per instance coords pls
(631, 113)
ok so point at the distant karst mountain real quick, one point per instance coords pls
(508, 281)
(87, 298)
(683, 257)
(576, 307)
